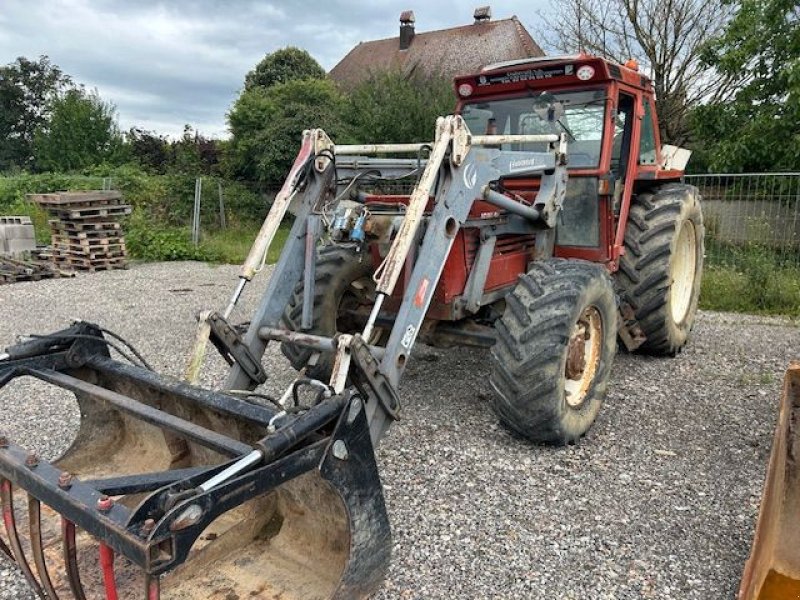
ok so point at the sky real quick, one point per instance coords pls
(168, 63)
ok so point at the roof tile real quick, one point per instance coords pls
(446, 52)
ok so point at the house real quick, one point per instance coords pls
(446, 52)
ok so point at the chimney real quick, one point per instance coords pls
(483, 14)
(406, 29)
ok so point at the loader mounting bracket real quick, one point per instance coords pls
(231, 346)
(369, 380)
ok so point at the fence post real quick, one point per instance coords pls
(198, 188)
(222, 223)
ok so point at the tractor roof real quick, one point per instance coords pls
(547, 72)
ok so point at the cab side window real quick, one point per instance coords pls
(647, 145)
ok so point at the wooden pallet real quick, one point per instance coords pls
(116, 250)
(100, 234)
(85, 232)
(86, 227)
(14, 270)
(88, 244)
(93, 212)
(78, 199)
(92, 264)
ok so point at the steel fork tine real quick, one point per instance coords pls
(107, 565)
(35, 526)
(71, 559)
(6, 494)
(152, 588)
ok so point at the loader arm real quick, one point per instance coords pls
(462, 169)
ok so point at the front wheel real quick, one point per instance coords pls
(556, 343)
(343, 285)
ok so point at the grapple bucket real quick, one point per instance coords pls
(172, 491)
(773, 570)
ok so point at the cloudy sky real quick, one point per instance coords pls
(169, 62)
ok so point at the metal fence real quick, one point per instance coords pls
(751, 216)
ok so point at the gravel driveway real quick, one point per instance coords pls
(658, 501)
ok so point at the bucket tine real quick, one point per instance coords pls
(71, 559)
(152, 588)
(6, 493)
(35, 522)
(5, 550)
(107, 564)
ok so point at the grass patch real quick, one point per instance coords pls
(230, 246)
(756, 288)
(150, 240)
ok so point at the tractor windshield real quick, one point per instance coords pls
(578, 114)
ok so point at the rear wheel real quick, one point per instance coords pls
(555, 346)
(661, 271)
(342, 285)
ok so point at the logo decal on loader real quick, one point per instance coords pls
(408, 337)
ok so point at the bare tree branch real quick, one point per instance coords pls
(666, 37)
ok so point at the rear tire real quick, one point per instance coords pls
(661, 271)
(542, 393)
(343, 278)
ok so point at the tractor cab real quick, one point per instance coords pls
(607, 112)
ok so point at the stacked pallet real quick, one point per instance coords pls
(29, 269)
(86, 234)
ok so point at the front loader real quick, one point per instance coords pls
(544, 221)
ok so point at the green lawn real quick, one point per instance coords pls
(765, 291)
(232, 245)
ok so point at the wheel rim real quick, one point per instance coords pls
(583, 356)
(682, 272)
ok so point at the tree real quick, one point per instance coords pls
(194, 153)
(27, 89)
(267, 123)
(282, 66)
(760, 129)
(148, 149)
(391, 107)
(82, 131)
(666, 37)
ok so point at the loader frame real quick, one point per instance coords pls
(461, 166)
(158, 533)
(268, 447)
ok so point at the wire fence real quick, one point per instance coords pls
(751, 216)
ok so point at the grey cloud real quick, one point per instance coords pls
(166, 63)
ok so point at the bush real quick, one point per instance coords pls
(166, 199)
(149, 241)
(393, 107)
(267, 124)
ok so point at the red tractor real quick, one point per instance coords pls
(620, 253)
(544, 221)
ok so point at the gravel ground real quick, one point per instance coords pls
(658, 501)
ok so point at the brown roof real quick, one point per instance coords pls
(446, 52)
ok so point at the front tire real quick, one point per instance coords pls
(343, 282)
(661, 271)
(556, 343)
